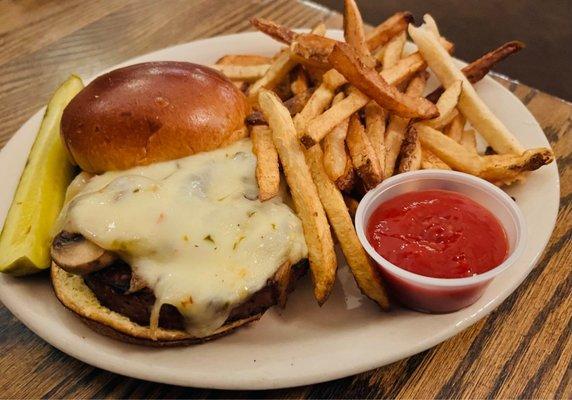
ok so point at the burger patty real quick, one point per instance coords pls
(111, 287)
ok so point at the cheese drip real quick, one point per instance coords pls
(192, 229)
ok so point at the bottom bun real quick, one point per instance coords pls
(74, 294)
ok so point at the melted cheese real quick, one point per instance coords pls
(192, 229)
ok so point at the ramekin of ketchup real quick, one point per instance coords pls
(439, 237)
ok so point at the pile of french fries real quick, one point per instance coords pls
(340, 117)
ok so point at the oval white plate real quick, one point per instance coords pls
(304, 344)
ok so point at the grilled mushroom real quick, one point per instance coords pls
(75, 254)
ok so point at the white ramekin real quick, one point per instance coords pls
(439, 295)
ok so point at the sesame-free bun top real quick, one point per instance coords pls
(151, 112)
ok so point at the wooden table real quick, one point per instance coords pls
(523, 349)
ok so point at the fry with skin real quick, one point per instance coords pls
(337, 161)
(249, 73)
(388, 29)
(281, 66)
(479, 68)
(243, 59)
(347, 181)
(469, 140)
(446, 106)
(430, 161)
(314, 49)
(300, 82)
(379, 53)
(363, 156)
(294, 105)
(352, 205)
(451, 152)
(321, 124)
(410, 159)
(507, 167)
(364, 273)
(322, 97)
(304, 193)
(267, 168)
(344, 59)
(353, 28)
(470, 104)
(332, 80)
(275, 31)
(455, 128)
(320, 100)
(397, 127)
(334, 147)
(279, 69)
(375, 120)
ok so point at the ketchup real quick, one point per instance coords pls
(437, 233)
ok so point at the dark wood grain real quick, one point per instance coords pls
(523, 349)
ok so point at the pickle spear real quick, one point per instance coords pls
(25, 239)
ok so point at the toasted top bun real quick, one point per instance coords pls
(152, 112)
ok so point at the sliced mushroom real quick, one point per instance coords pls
(75, 254)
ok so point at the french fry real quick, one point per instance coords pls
(314, 49)
(431, 24)
(375, 120)
(304, 193)
(352, 205)
(451, 152)
(470, 105)
(430, 161)
(320, 29)
(455, 129)
(363, 156)
(317, 128)
(400, 72)
(479, 68)
(347, 181)
(353, 28)
(469, 140)
(393, 50)
(276, 31)
(300, 82)
(366, 277)
(344, 59)
(320, 99)
(334, 147)
(446, 106)
(249, 73)
(267, 168)
(379, 53)
(281, 66)
(397, 127)
(388, 29)
(244, 59)
(507, 167)
(294, 105)
(410, 158)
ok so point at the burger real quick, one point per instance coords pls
(162, 239)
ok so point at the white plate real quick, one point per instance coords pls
(304, 344)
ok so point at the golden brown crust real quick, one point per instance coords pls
(152, 112)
